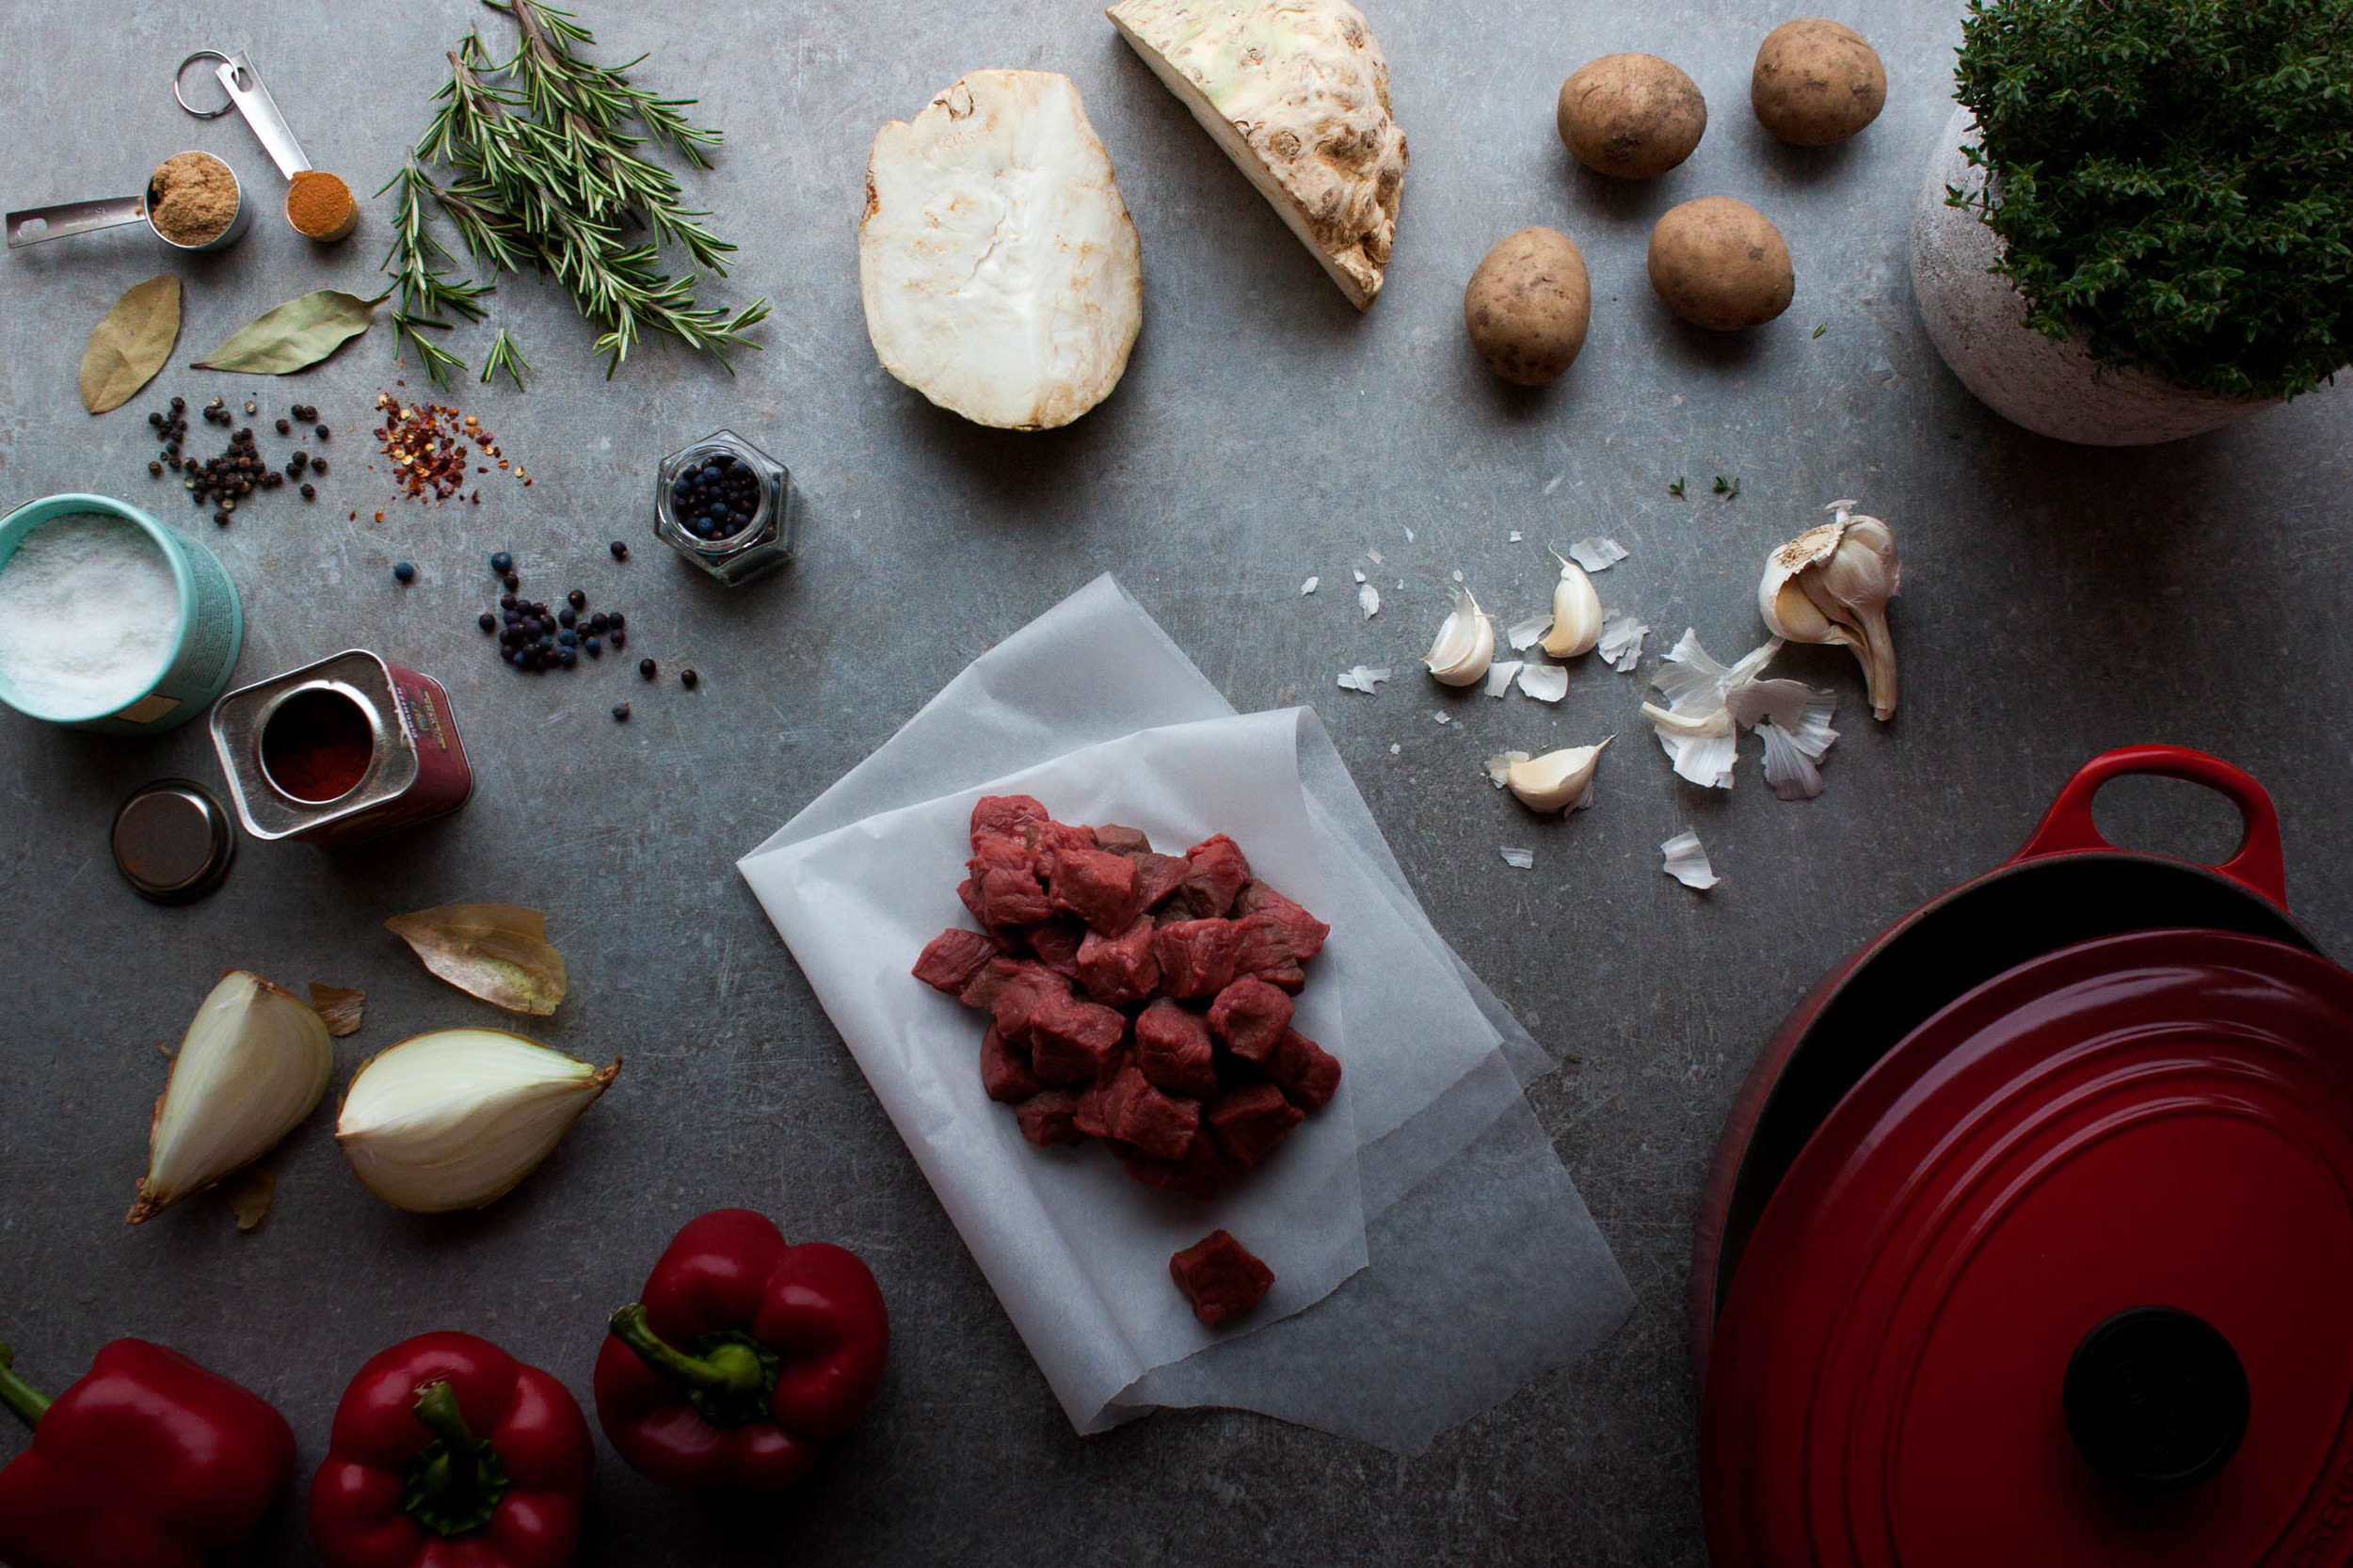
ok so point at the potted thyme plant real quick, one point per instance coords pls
(2139, 224)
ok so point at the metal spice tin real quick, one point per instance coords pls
(414, 769)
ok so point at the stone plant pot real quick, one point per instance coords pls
(1978, 323)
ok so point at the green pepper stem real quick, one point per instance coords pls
(26, 1402)
(454, 1485)
(728, 1383)
(436, 1407)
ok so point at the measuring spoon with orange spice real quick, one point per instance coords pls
(318, 204)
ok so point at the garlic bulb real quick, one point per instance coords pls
(455, 1119)
(252, 1065)
(1466, 645)
(1576, 613)
(1557, 780)
(1831, 584)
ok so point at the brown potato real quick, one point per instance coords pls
(1718, 264)
(1634, 116)
(1816, 82)
(1528, 306)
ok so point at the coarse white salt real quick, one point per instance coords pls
(89, 614)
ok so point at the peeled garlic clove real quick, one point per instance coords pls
(1557, 780)
(1576, 613)
(1831, 584)
(254, 1062)
(1466, 645)
(455, 1118)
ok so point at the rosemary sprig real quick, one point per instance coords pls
(504, 356)
(545, 174)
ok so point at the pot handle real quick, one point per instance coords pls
(2257, 864)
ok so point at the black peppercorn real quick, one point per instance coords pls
(178, 403)
(318, 466)
(286, 427)
(320, 432)
(155, 471)
(688, 679)
(646, 668)
(620, 550)
(155, 421)
(221, 518)
(620, 713)
(310, 492)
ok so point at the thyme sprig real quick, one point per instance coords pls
(544, 173)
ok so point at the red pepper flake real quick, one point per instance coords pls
(431, 446)
(380, 517)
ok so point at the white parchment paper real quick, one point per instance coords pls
(1485, 1269)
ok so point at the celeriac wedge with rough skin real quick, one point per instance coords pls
(1002, 274)
(1297, 94)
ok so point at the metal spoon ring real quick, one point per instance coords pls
(201, 114)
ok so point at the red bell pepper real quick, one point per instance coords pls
(149, 1461)
(447, 1452)
(743, 1357)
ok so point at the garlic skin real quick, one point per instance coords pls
(1696, 728)
(1831, 584)
(1466, 645)
(1557, 780)
(455, 1119)
(254, 1063)
(1576, 613)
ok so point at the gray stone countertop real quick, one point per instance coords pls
(2058, 602)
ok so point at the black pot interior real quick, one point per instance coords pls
(1949, 949)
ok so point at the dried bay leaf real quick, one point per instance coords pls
(250, 1193)
(295, 335)
(129, 347)
(339, 1006)
(497, 952)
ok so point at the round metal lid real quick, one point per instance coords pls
(172, 841)
(2064, 1279)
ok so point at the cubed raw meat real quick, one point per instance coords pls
(1004, 815)
(1011, 989)
(1199, 1174)
(1117, 971)
(1049, 841)
(952, 958)
(1248, 1123)
(1056, 944)
(1196, 956)
(1159, 876)
(1174, 1049)
(1048, 1117)
(1248, 1018)
(1307, 933)
(1214, 873)
(1122, 840)
(1101, 1107)
(1161, 1124)
(1308, 1074)
(1011, 897)
(1099, 887)
(1263, 950)
(1219, 1277)
(1073, 1041)
(1005, 1070)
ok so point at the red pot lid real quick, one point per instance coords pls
(2066, 1279)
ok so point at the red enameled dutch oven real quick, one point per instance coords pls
(2048, 1259)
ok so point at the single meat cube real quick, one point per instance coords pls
(1049, 841)
(1263, 950)
(1056, 944)
(1011, 897)
(1220, 1277)
(1049, 1117)
(1005, 1070)
(1004, 815)
(1162, 1125)
(1214, 873)
(1101, 889)
(1199, 1174)
(1011, 989)
(1122, 840)
(1159, 875)
(1117, 971)
(1196, 956)
(952, 958)
(1174, 1051)
(1306, 932)
(1248, 1123)
(968, 890)
(1308, 1074)
(1248, 1018)
(1072, 1041)
(1100, 1107)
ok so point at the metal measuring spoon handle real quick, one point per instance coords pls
(249, 98)
(73, 217)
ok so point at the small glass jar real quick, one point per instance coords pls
(762, 545)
